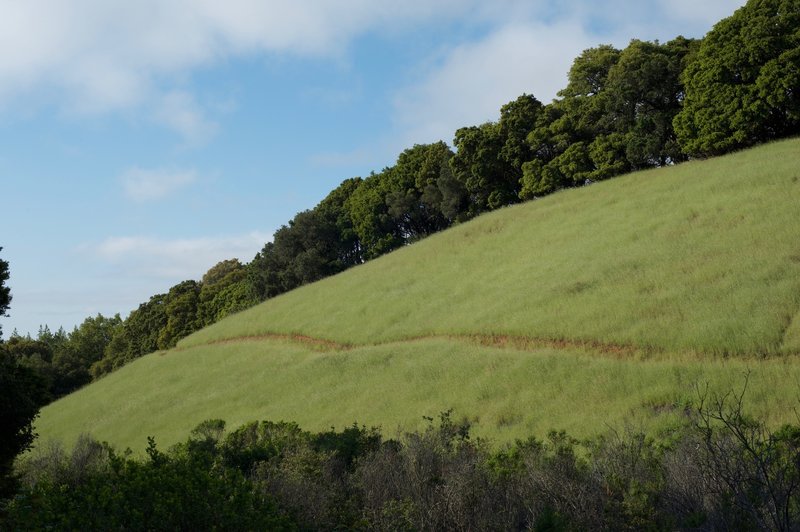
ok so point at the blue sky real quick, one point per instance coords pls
(142, 142)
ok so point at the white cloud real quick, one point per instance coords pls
(111, 54)
(476, 79)
(705, 13)
(179, 111)
(156, 184)
(176, 259)
(105, 55)
(530, 51)
(117, 274)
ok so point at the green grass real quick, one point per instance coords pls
(508, 393)
(615, 302)
(702, 257)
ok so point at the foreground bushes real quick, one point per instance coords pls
(96, 489)
(720, 471)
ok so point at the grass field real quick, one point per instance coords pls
(702, 257)
(507, 392)
(584, 310)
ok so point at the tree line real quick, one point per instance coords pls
(648, 105)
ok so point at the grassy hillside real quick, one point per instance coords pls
(579, 311)
(701, 257)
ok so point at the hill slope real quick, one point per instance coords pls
(583, 308)
(704, 257)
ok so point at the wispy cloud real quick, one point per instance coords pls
(475, 79)
(699, 15)
(175, 259)
(118, 273)
(179, 111)
(530, 50)
(144, 185)
(103, 56)
(98, 56)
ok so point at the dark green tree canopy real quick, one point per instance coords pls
(644, 93)
(180, 307)
(489, 157)
(614, 116)
(477, 165)
(263, 273)
(223, 290)
(332, 212)
(86, 346)
(5, 291)
(414, 193)
(141, 330)
(377, 231)
(562, 141)
(589, 72)
(22, 392)
(743, 86)
(306, 249)
(220, 271)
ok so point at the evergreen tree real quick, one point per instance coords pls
(742, 87)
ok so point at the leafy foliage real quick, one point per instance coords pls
(5, 291)
(416, 198)
(489, 157)
(223, 291)
(718, 470)
(372, 222)
(644, 93)
(177, 491)
(180, 307)
(741, 88)
(22, 392)
(85, 346)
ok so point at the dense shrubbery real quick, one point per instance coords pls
(96, 489)
(22, 392)
(721, 470)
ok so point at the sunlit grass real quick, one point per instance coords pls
(506, 393)
(632, 292)
(702, 257)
